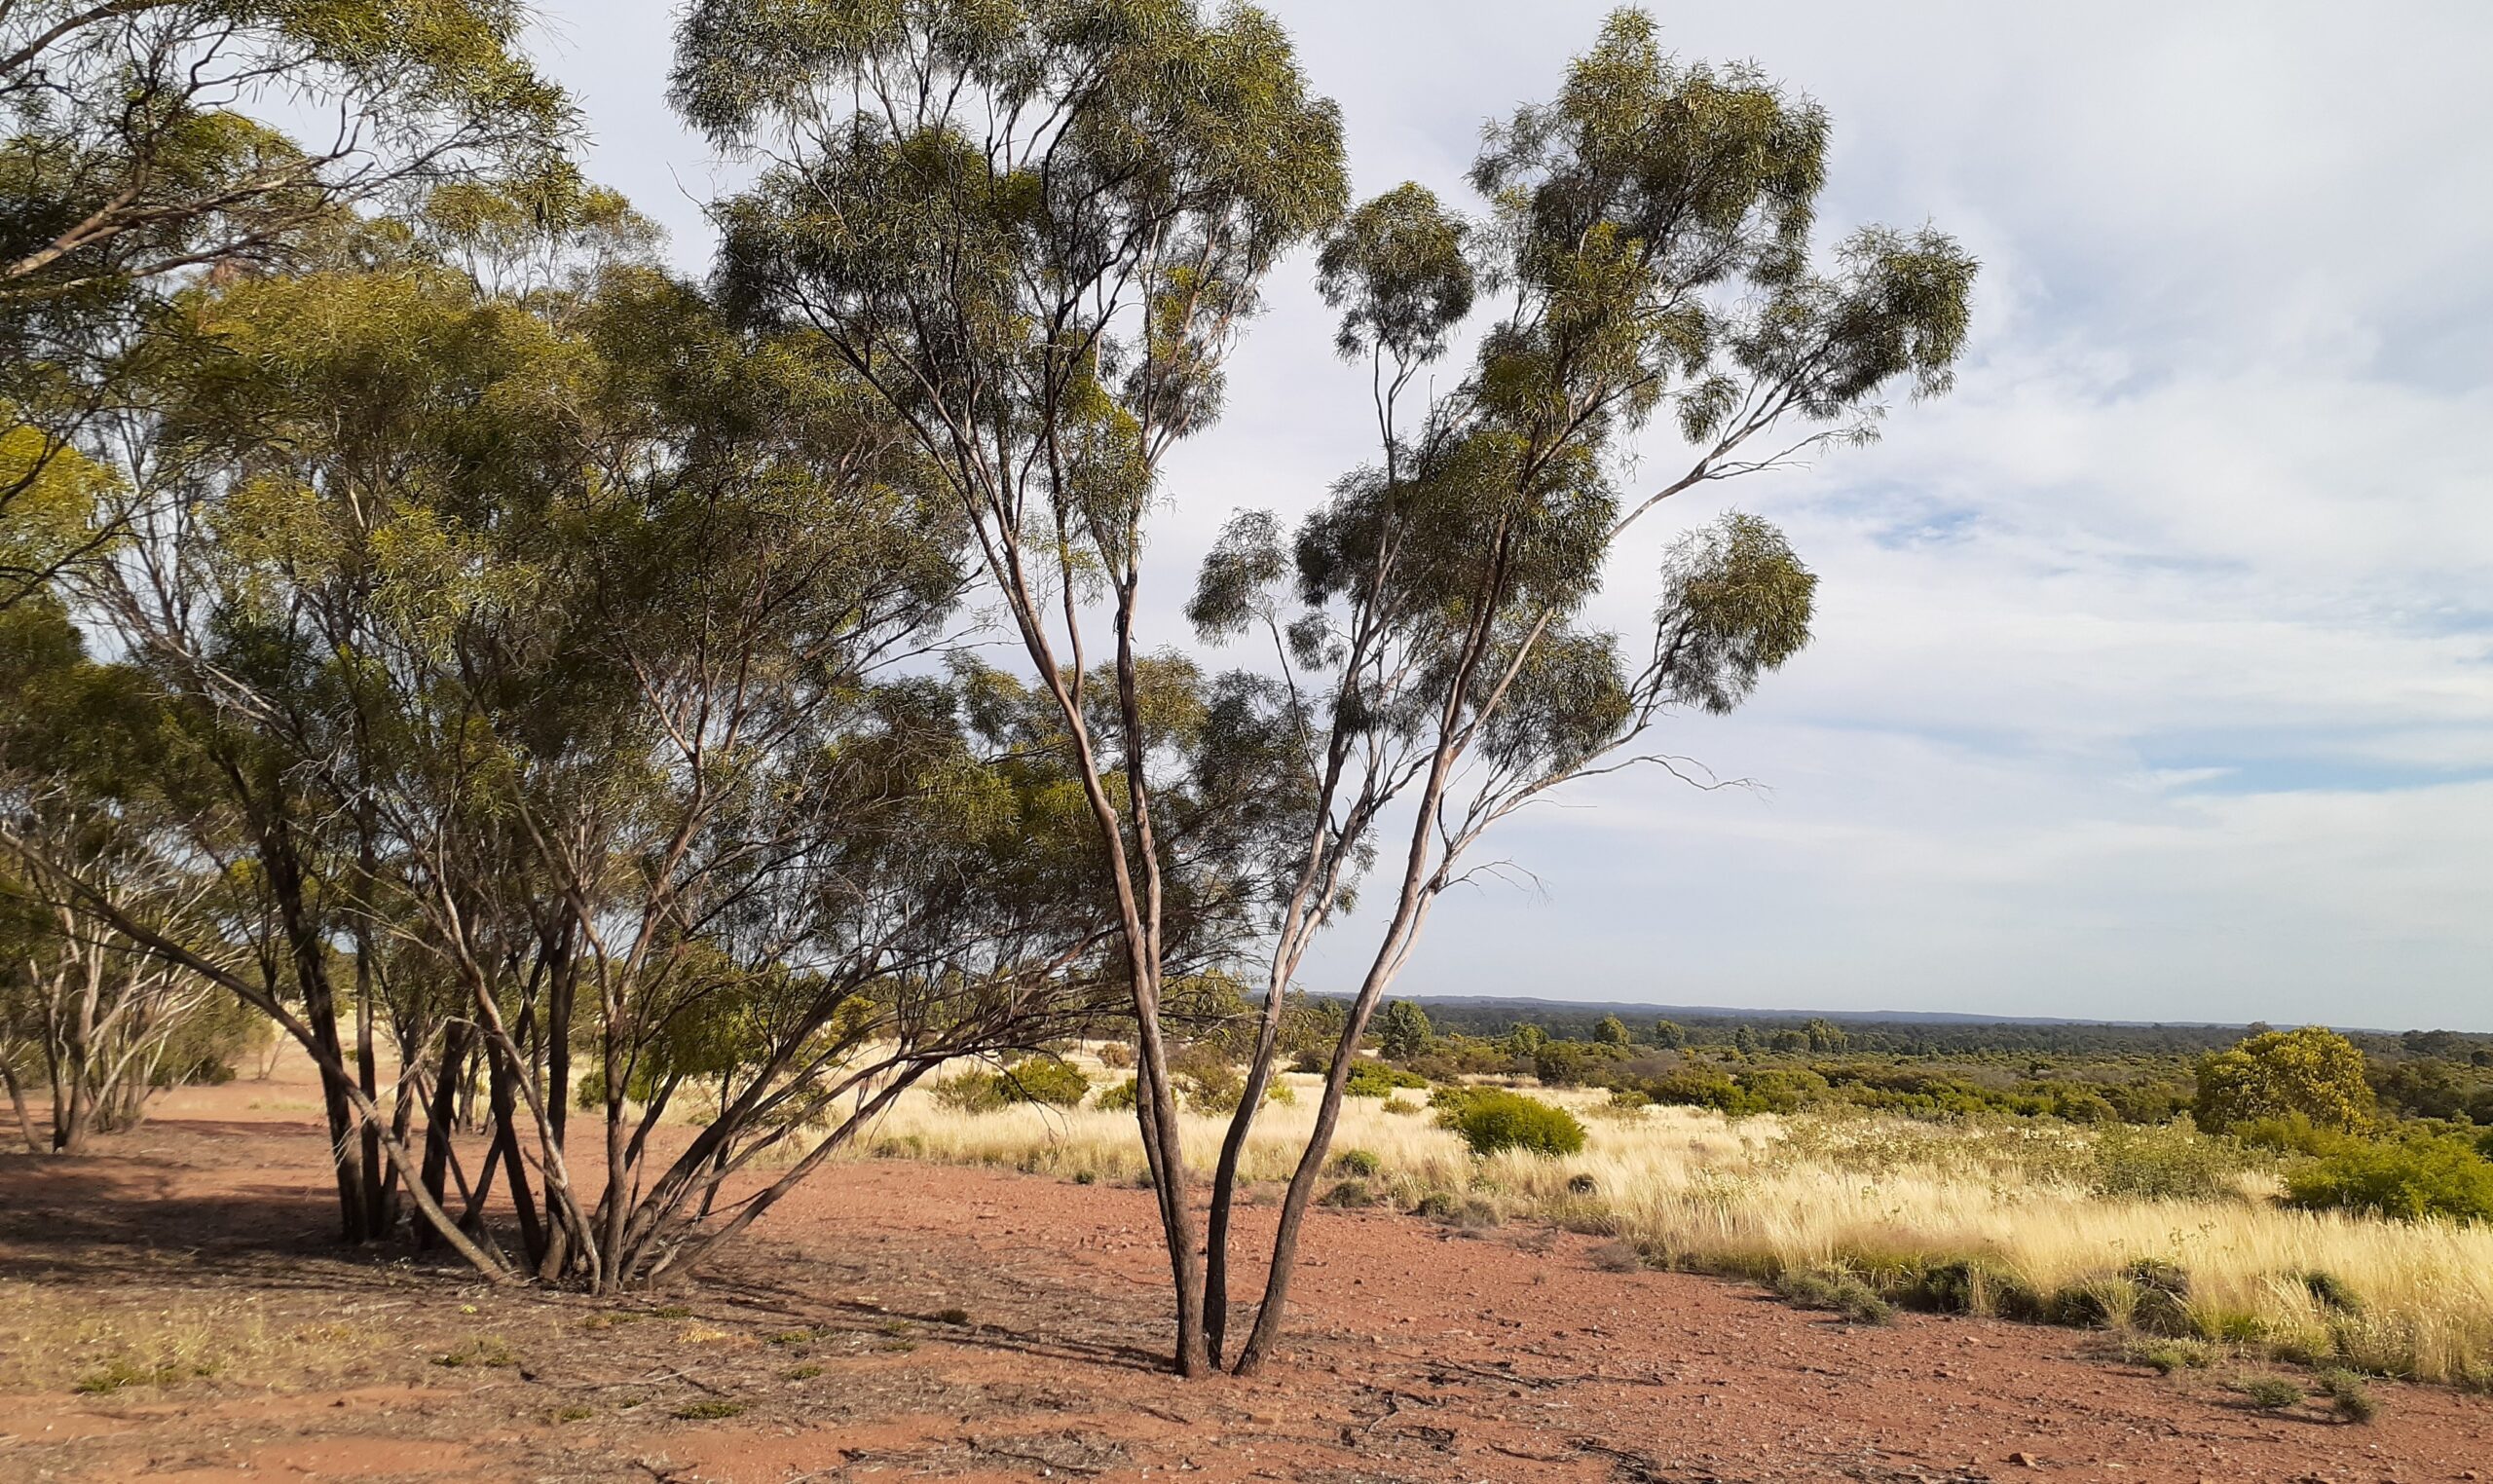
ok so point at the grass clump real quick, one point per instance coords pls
(2329, 1292)
(2163, 1356)
(571, 1413)
(1837, 1290)
(805, 1372)
(488, 1351)
(1349, 1195)
(1617, 1257)
(1491, 1120)
(710, 1409)
(2270, 1394)
(2347, 1393)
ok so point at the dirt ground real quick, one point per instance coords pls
(172, 1309)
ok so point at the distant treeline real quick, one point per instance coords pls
(1907, 1037)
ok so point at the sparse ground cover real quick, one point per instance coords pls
(169, 1309)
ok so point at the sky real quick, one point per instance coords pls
(2153, 669)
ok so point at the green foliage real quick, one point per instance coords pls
(1492, 1120)
(1612, 1031)
(1349, 1195)
(2270, 1394)
(2349, 1395)
(2313, 1072)
(1402, 1030)
(2409, 1179)
(2163, 1162)
(1375, 1079)
(1357, 1162)
(1838, 1290)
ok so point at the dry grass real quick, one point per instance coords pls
(100, 1347)
(1885, 1197)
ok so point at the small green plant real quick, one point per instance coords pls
(710, 1409)
(1120, 1098)
(1437, 1205)
(1086, 1177)
(571, 1413)
(2270, 1394)
(672, 1312)
(1349, 1195)
(1493, 1120)
(2347, 1393)
(2165, 1357)
(1357, 1162)
(805, 1372)
(1402, 1106)
(1836, 1290)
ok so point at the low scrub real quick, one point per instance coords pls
(1377, 1079)
(2409, 1180)
(1491, 1120)
(1837, 1290)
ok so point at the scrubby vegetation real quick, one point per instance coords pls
(2326, 1246)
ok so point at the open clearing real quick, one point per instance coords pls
(900, 1319)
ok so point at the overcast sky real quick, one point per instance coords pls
(2154, 668)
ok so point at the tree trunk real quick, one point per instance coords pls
(18, 1105)
(437, 1119)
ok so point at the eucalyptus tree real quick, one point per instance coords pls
(144, 142)
(103, 1024)
(1035, 230)
(551, 653)
(1649, 244)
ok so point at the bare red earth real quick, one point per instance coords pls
(899, 1321)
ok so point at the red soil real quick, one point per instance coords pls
(824, 1352)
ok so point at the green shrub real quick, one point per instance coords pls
(2165, 1357)
(1349, 1195)
(2331, 1291)
(1357, 1162)
(969, 1092)
(2313, 1072)
(2434, 1177)
(1375, 1079)
(1491, 1120)
(1033, 1079)
(1044, 1080)
(2270, 1394)
(2291, 1133)
(2164, 1162)
(1120, 1098)
(1437, 1205)
(2347, 1393)
(1836, 1290)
